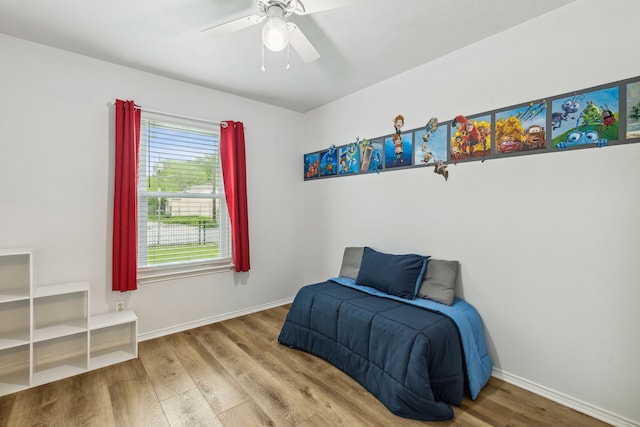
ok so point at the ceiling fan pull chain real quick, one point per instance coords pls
(288, 63)
(262, 66)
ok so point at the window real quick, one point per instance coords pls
(183, 222)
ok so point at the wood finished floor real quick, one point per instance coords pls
(234, 373)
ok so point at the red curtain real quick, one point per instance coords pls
(232, 156)
(125, 202)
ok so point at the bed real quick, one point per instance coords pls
(417, 350)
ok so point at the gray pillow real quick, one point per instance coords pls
(439, 281)
(351, 262)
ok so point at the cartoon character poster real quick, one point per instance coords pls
(371, 156)
(329, 162)
(398, 150)
(470, 138)
(311, 165)
(431, 143)
(633, 110)
(521, 128)
(589, 118)
(348, 159)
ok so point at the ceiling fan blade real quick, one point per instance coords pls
(233, 26)
(301, 44)
(313, 6)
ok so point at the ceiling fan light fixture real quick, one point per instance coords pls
(275, 34)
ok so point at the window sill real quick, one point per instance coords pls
(179, 271)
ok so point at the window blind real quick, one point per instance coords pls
(182, 213)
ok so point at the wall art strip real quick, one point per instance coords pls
(594, 117)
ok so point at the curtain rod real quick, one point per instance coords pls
(180, 116)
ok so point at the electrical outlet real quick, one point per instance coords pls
(119, 305)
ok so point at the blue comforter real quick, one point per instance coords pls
(406, 353)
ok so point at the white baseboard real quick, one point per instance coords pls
(207, 321)
(563, 399)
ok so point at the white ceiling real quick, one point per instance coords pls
(360, 44)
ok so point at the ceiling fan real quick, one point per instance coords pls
(277, 32)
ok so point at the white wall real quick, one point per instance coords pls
(548, 243)
(56, 183)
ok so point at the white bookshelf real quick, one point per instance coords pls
(112, 338)
(46, 332)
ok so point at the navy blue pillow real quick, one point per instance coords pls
(399, 275)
